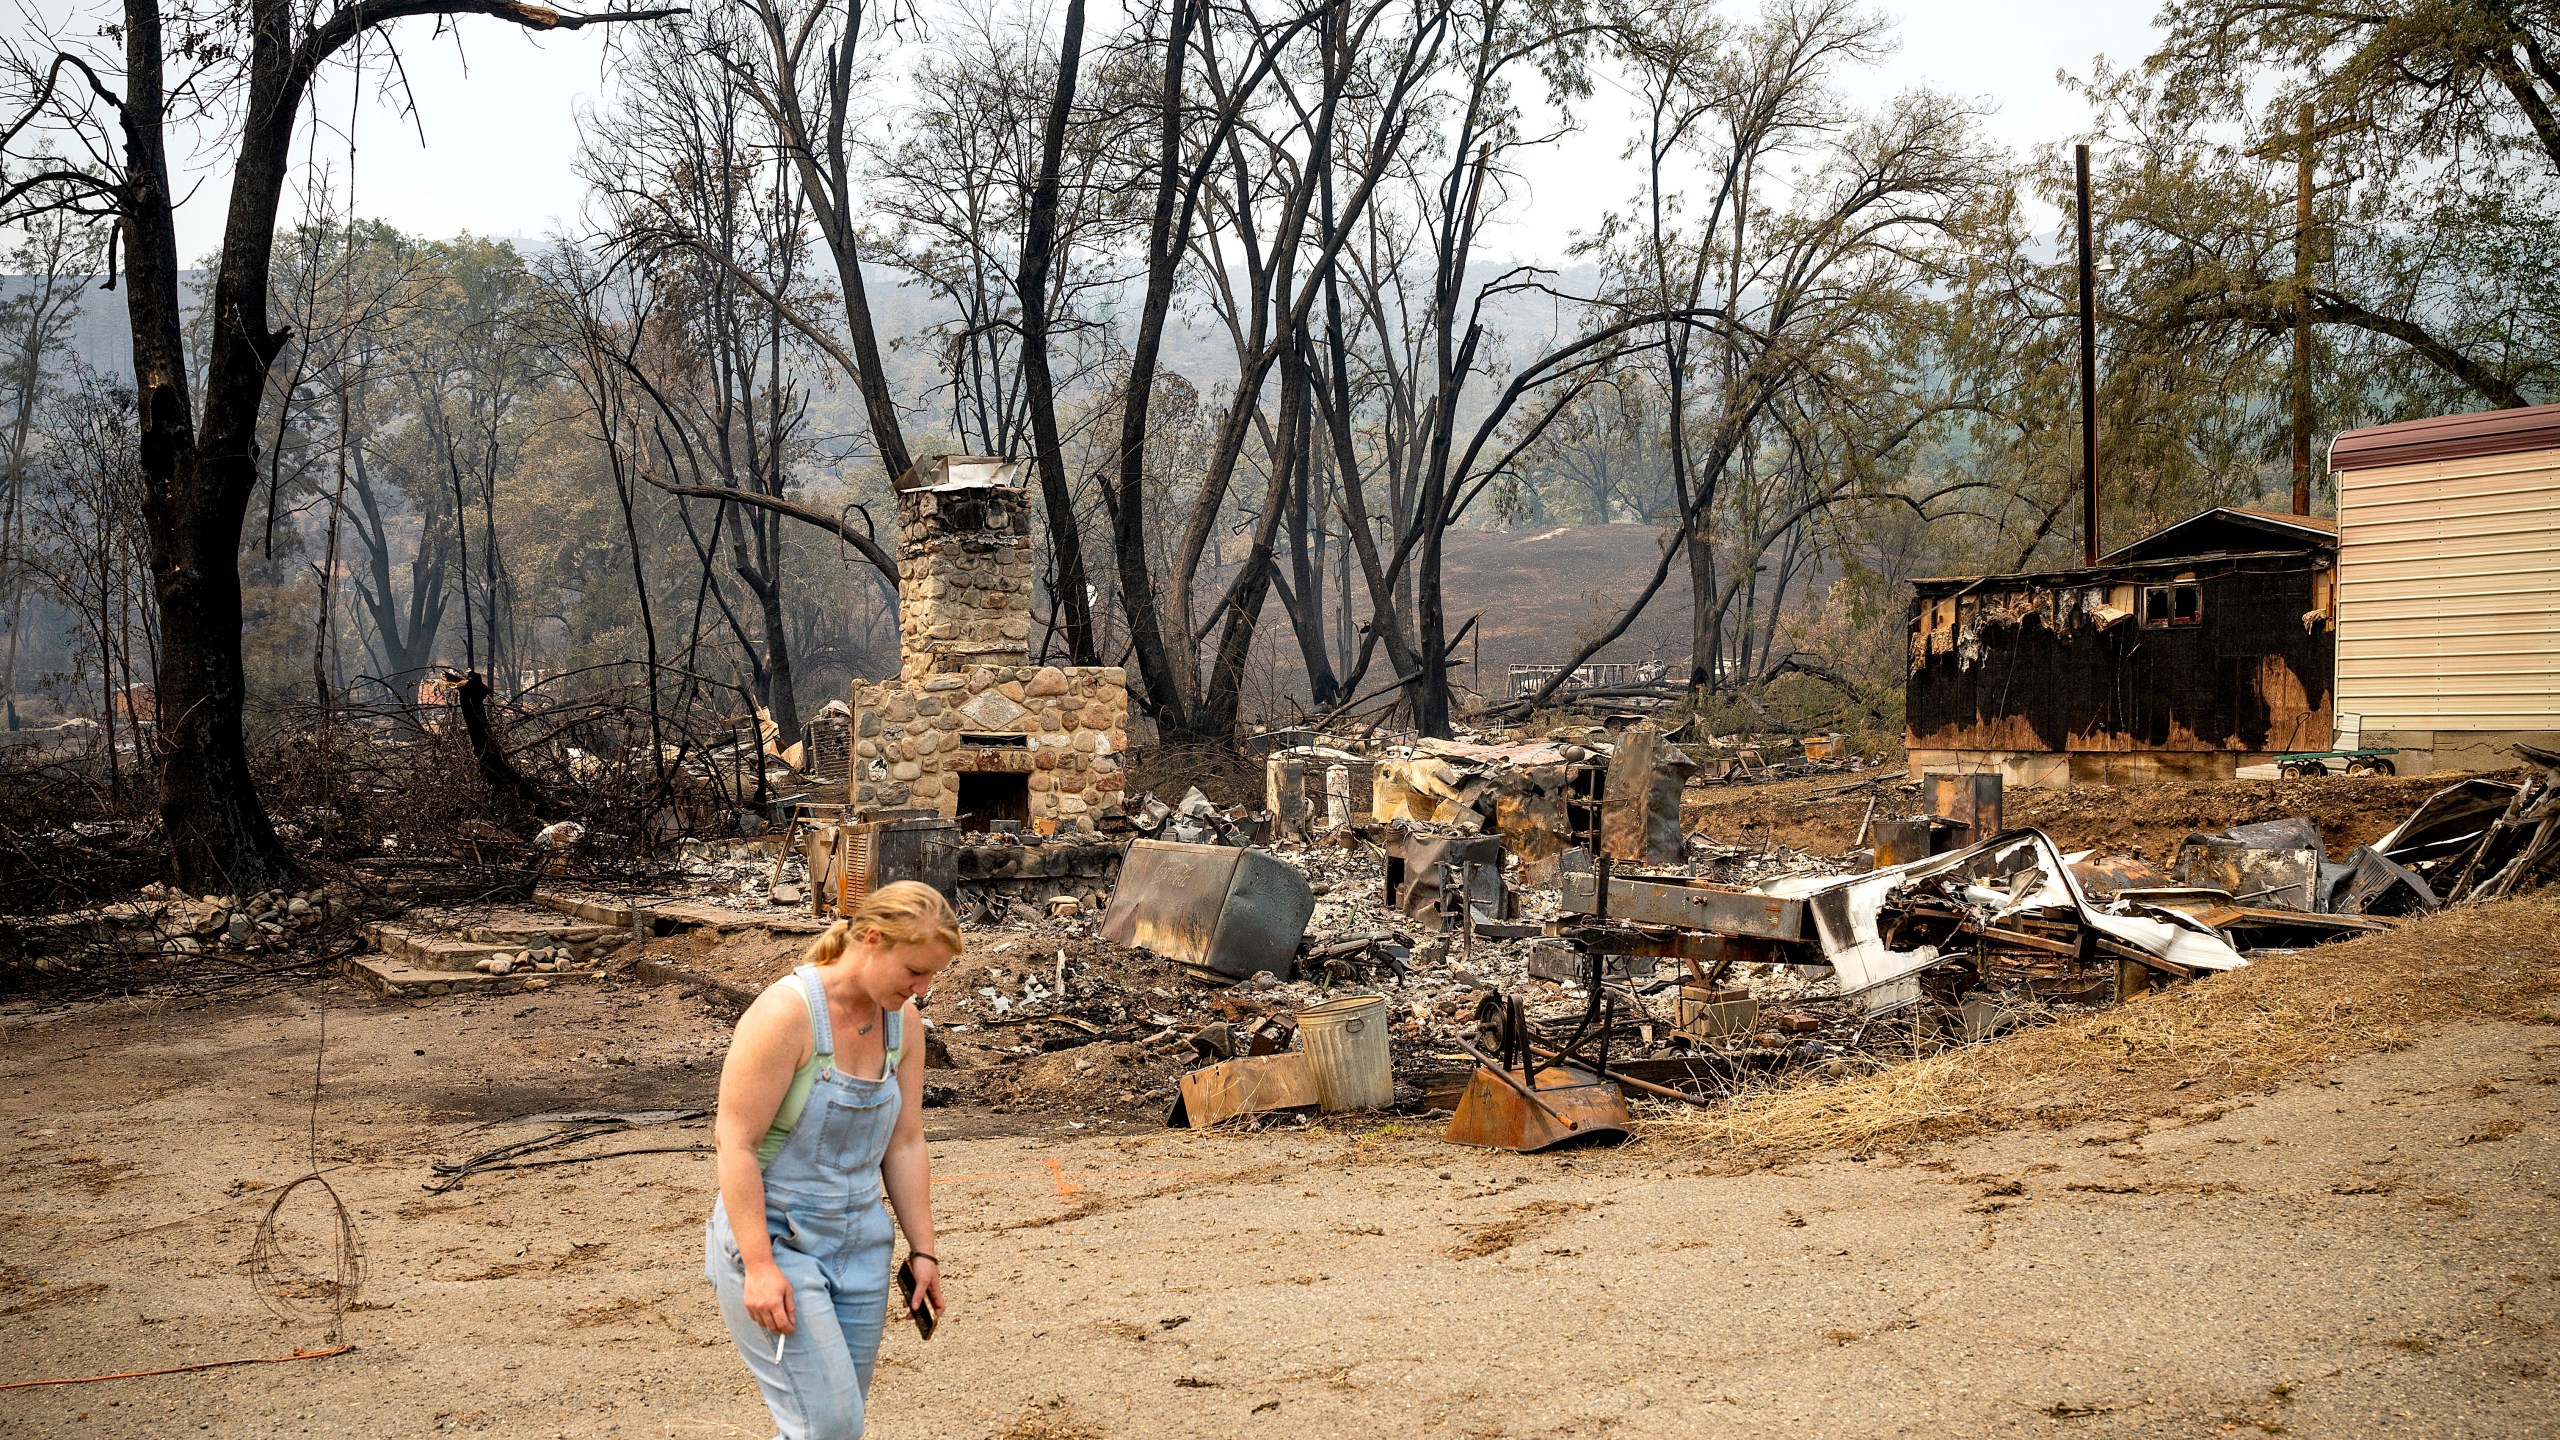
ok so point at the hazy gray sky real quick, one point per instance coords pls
(499, 110)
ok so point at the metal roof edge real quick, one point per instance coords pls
(2307, 524)
(2473, 435)
(2091, 575)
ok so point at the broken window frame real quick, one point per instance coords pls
(2162, 608)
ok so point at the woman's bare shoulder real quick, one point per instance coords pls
(779, 1016)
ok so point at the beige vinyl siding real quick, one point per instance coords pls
(2449, 594)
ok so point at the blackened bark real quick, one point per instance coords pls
(513, 788)
(817, 147)
(198, 485)
(1244, 601)
(200, 473)
(764, 580)
(1306, 560)
(1705, 640)
(1129, 512)
(1069, 599)
(1386, 617)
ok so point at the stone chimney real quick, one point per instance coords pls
(964, 566)
(971, 728)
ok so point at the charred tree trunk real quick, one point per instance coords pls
(1129, 512)
(500, 773)
(1069, 598)
(198, 485)
(1705, 655)
(764, 580)
(200, 471)
(1306, 557)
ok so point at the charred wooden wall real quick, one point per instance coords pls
(2064, 662)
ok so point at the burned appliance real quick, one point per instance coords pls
(850, 860)
(1229, 911)
(1439, 881)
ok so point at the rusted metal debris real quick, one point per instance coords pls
(1685, 904)
(1232, 911)
(1640, 802)
(1247, 1085)
(1513, 1109)
(848, 860)
(1445, 881)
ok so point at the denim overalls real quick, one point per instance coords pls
(832, 1238)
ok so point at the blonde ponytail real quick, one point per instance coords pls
(903, 913)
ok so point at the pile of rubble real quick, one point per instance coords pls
(2451, 855)
(1526, 1007)
(160, 921)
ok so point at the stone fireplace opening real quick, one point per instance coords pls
(970, 728)
(988, 797)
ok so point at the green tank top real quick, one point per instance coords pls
(796, 1099)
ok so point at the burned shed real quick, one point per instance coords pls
(2184, 655)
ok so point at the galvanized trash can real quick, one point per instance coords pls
(1346, 1045)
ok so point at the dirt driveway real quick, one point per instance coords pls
(2369, 1254)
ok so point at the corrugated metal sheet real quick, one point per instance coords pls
(2449, 594)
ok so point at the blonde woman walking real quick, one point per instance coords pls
(821, 1113)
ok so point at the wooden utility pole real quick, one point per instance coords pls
(2088, 373)
(2302, 241)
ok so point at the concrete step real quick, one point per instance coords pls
(594, 909)
(676, 916)
(420, 949)
(393, 980)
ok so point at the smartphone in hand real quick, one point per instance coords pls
(920, 1309)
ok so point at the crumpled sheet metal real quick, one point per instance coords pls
(2447, 822)
(1521, 752)
(1640, 809)
(1426, 790)
(1533, 822)
(1430, 876)
(2029, 865)
(2366, 883)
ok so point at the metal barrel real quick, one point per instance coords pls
(1346, 1045)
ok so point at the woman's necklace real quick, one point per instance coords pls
(876, 1012)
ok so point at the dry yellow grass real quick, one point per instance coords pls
(2221, 1036)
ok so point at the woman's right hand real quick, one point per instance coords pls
(768, 1297)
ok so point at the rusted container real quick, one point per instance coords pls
(1229, 910)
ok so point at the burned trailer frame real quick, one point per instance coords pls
(2006, 890)
(2182, 656)
(2014, 893)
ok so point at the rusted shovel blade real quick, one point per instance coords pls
(1499, 1110)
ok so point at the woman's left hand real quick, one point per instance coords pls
(928, 1273)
